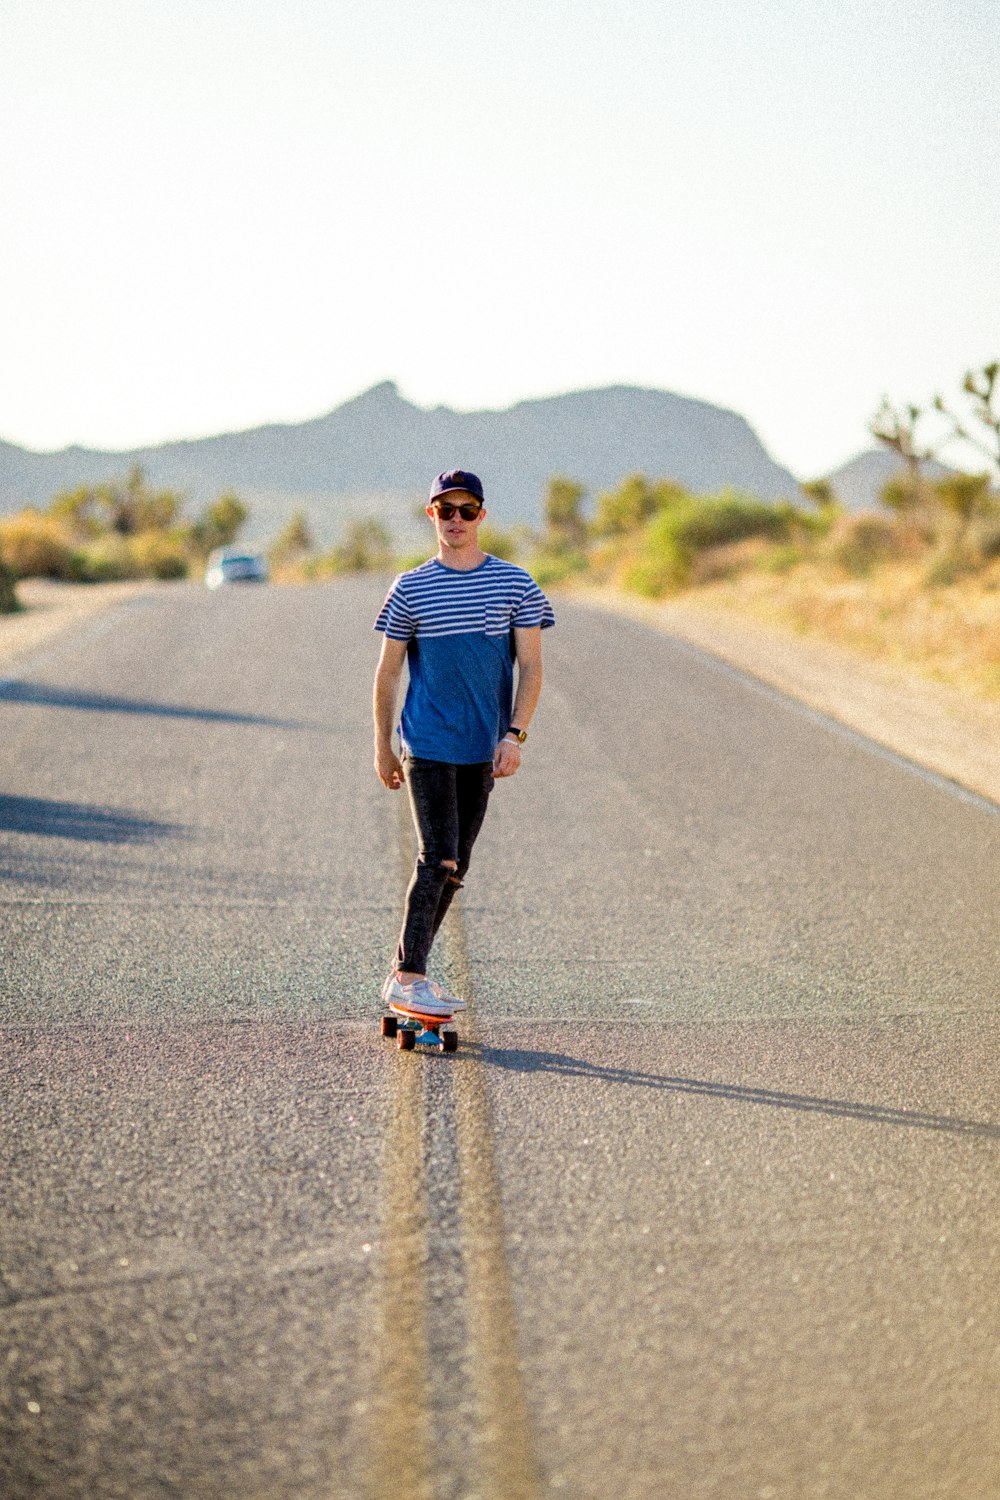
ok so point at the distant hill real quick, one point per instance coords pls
(858, 483)
(377, 454)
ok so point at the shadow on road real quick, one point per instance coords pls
(80, 820)
(524, 1061)
(56, 697)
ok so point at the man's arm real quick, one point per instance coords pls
(387, 674)
(528, 649)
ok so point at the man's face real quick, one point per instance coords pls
(455, 531)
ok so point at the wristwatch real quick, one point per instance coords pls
(519, 734)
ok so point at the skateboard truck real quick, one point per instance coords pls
(413, 1030)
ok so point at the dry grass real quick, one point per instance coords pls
(920, 592)
(948, 634)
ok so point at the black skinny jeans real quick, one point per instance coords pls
(448, 804)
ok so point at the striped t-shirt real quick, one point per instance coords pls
(458, 625)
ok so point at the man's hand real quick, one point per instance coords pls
(388, 768)
(506, 758)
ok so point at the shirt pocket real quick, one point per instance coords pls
(498, 617)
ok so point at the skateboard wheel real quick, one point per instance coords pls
(406, 1040)
(389, 1025)
(449, 1041)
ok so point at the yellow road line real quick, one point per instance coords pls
(510, 1471)
(401, 1459)
(401, 1453)
(402, 1467)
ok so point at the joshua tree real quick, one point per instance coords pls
(896, 428)
(565, 526)
(219, 523)
(295, 541)
(983, 433)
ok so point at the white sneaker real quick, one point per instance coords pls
(445, 994)
(420, 995)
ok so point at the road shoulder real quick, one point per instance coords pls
(50, 609)
(934, 725)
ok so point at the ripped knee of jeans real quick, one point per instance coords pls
(431, 868)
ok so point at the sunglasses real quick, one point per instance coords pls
(467, 512)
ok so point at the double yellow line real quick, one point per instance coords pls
(402, 1437)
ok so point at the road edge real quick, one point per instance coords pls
(931, 724)
(50, 610)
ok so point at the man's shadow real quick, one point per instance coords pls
(523, 1060)
(81, 821)
(44, 695)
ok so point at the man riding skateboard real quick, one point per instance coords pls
(460, 621)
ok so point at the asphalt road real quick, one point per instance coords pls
(704, 1206)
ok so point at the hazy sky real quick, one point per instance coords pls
(217, 213)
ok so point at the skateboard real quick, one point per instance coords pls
(413, 1028)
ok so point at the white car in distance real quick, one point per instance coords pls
(234, 565)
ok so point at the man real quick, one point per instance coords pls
(460, 621)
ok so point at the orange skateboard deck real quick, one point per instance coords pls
(411, 1027)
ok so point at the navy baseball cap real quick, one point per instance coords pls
(457, 479)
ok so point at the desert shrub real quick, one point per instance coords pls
(109, 559)
(821, 493)
(964, 496)
(36, 546)
(562, 511)
(365, 546)
(113, 558)
(409, 560)
(716, 521)
(860, 543)
(677, 535)
(946, 566)
(727, 561)
(158, 554)
(661, 566)
(500, 543)
(985, 537)
(906, 492)
(295, 543)
(8, 592)
(219, 524)
(808, 526)
(624, 511)
(127, 506)
(782, 558)
(556, 564)
(118, 530)
(961, 552)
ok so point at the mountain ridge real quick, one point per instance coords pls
(377, 453)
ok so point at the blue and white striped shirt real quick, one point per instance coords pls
(458, 627)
